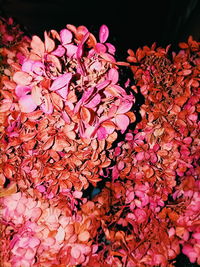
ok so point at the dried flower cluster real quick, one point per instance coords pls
(67, 125)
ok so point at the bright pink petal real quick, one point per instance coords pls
(140, 155)
(66, 36)
(113, 75)
(122, 122)
(22, 90)
(124, 107)
(100, 48)
(101, 133)
(111, 48)
(63, 92)
(61, 81)
(71, 50)
(108, 57)
(94, 102)
(38, 68)
(27, 104)
(27, 65)
(59, 52)
(103, 33)
(80, 46)
(102, 85)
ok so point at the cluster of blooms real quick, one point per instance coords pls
(67, 123)
(155, 189)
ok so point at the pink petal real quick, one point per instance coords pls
(59, 52)
(75, 252)
(103, 33)
(49, 43)
(100, 48)
(94, 102)
(77, 194)
(66, 36)
(113, 75)
(66, 117)
(27, 65)
(30, 254)
(33, 242)
(80, 46)
(122, 122)
(36, 213)
(71, 50)
(102, 85)
(38, 68)
(27, 104)
(101, 133)
(47, 106)
(61, 81)
(108, 57)
(111, 48)
(22, 78)
(63, 92)
(60, 236)
(124, 107)
(140, 155)
(22, 90)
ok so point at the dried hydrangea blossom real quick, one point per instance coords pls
(78, 77)
(156, 171)
(63, 108)
(38, 234)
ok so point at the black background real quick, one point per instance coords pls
(132, 24)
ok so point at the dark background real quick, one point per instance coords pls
(132, 24)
